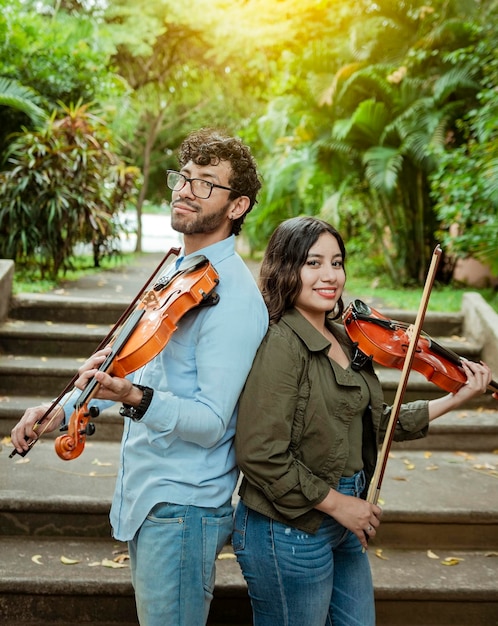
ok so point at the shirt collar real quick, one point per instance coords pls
(216, 252)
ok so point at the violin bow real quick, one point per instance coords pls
(415, 330)
(102, 344)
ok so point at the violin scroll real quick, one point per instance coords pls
(70, 445)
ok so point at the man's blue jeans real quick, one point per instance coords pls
(299, 579)
(173, 558)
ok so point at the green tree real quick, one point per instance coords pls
(465, 187)
(379, 115)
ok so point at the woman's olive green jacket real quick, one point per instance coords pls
(294, 414)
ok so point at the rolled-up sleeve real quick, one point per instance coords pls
(412, 423)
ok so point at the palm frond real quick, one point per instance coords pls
(382, 168)
(454, 82)
(17, 96)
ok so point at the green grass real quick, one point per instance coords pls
(366, 281)
(30, 281)
(442, 297)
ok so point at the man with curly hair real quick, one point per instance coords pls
(172, 501)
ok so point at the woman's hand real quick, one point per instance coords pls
(359, 516)
(478, 378)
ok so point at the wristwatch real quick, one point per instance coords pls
(137, 412)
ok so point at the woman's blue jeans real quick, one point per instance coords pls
(299, 579)
(173, 558)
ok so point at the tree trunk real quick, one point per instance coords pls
(154, 129)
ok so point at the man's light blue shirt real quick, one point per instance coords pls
(182, 450)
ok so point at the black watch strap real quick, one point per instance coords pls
(137, 412)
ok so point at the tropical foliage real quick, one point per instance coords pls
(65, 186)
(378, 116)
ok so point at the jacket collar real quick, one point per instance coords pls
(313, 339)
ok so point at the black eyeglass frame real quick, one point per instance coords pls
(190, 180)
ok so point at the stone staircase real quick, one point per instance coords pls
(434, 560)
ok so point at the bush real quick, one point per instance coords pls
(65, 186)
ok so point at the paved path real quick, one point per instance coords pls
(124, 279)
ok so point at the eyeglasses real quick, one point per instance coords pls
(200, 188)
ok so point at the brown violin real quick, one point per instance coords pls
(386, 341)
(139, 335)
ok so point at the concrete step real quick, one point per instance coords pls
(58, 349)
(430, 499)
(49, 318)
(411, 589)
(39, 374)
(109, 425)
(106, 310)
(67, 309)
(420, 388)
(44, 338)
(438, 499)
(465, 429)
(469, 428)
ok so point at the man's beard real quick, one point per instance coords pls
(196, 223)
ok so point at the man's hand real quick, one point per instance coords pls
(32, 423)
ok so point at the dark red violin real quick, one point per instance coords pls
(139, 335)
(386, 342)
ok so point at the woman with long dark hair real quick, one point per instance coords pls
(308, 430)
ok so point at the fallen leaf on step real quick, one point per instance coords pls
(408, 464)
(465, 455)
(379, 555)
(112, 564)
(101, 463)
(121, 558)
(491, 554)
(36, 559)
(22, 460)
(485, 466)
(427, 455)
(432, 467)
(432, 555)
(226, 555)
(67, 561)
(94, 564)
(451, 560)
(44, 359)
(6, 440)
(400, 478)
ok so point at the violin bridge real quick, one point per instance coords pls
(409, 331)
